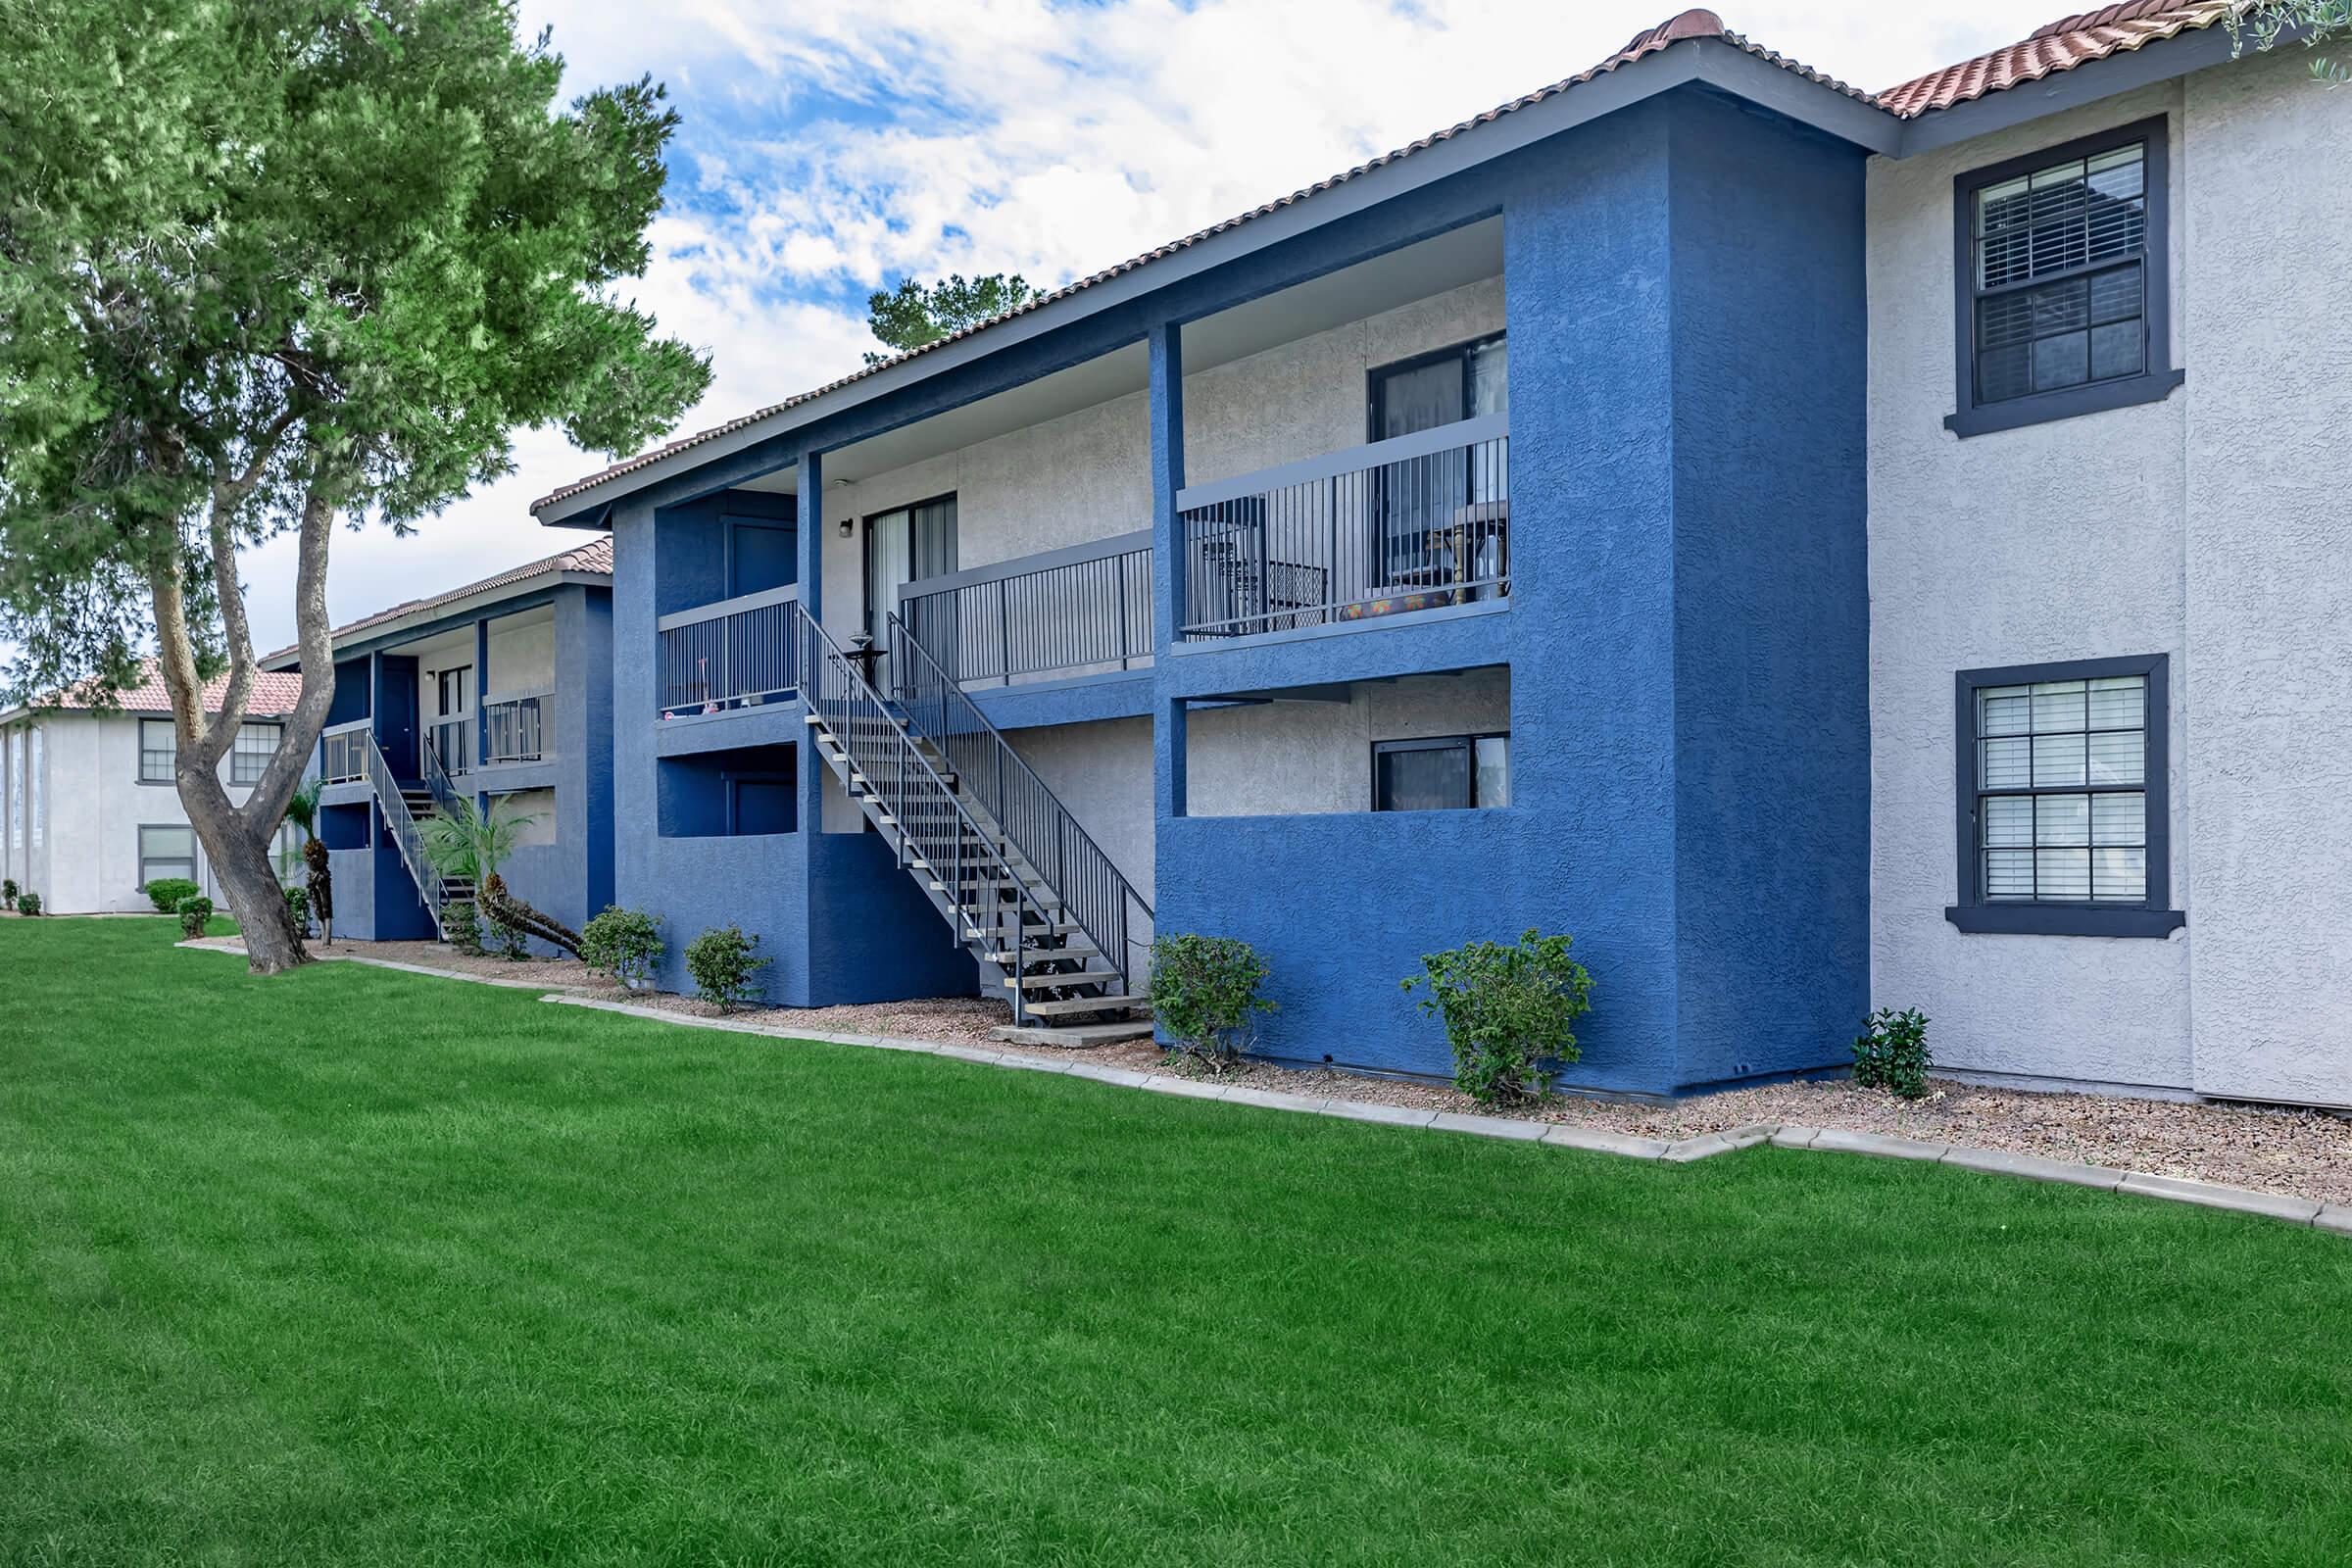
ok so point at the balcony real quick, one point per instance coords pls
(1413, 523)
(1082, 611)
(515, 727)
(737, 653)
(343, 752)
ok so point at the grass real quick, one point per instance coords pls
(357, 1266)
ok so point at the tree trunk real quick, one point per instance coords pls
(240, 858)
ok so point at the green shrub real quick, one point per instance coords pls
(298, 906)
(8, 891)
(507, 939)
(1508, 1010)
(1891, 1054)
(1204, 990)
(193, 911)
(462, 923)
(624, 943)
(29, 903)
(166, 890)
(722, 964)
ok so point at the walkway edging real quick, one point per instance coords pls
(2332, 1217)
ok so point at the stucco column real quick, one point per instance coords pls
(809, 543)
(481, 690)
(1167, 344)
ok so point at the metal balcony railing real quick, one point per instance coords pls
(1065, 612)
(516, 727)
(737, 653)
(343, 752)
(1407, 524)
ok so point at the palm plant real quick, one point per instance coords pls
(319, 878)
(466, 843)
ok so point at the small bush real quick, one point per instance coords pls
(168, 891)
(624, 943)
(29, 903)
(298, 906)
(722, 964)
(8, 891)
(1507, 1009)
(462, 923)
(193, 911)
(1204, 990)
(506, 938)
(1891, 1054)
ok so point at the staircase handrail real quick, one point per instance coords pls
(403, 823)
(939, 709)
(826, 664)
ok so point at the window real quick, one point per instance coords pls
(2062, 303)
(1445, 773)
(251, 752)
(1423, 502)
(910, 545)
(159, 750)
(167, 850)
(2063, 823)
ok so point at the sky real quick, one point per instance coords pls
(831, 147)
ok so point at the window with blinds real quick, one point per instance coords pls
(2061, 281)
(2062, 799)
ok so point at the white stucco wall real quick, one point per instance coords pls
(2160, 528)
(1087, 475)
(1102, 773)
(1312, 757)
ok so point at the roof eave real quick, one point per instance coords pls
(1715, 62)
(2126, 71)
(457, 609)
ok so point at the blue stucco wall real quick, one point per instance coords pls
(1772, 617)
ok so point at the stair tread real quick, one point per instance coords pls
(1048, 982)
(1049, 1009)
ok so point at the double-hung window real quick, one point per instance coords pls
(167, 849)
(159, 750)
(1442, 773)
(2063, 307)
(2063, 816)
(249, 754)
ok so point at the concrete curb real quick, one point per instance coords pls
(2331, 1217)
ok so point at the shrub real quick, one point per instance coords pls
(624, 943)
(722, 964)
(193, 911)
(29, 903)
(1891, 1054)
(508, 939)
(461, 922)
(8, 891)
(1204, 990)
(298, 905)
(1506, 1010)
(166, 890)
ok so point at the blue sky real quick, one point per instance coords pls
(830, 147)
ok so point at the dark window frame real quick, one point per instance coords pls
(865, 551)
(1466, 741)
(171, 756)
(2151, 918)
(2157, 378)
(1374, 409)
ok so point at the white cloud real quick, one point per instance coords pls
(832, 145)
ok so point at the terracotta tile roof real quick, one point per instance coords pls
(2060, 46)
(275, 693)
(593, 559)
(2063, 46)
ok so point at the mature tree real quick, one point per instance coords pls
(2269, 23)
(915, 313)
(269, 265)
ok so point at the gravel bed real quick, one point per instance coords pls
(2305, 1153)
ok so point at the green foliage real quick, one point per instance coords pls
(29, 903)
(624, 943)
(2271, 23)
(721, 966)
(462, 925)
(465, 841)
(7, 893)
(916, 313)
(1508, 1010)
(165, 892)
(1204, 990)
(1891, 1054)
(507, 939)
(298, 906)
(193, 911)
(270, 262)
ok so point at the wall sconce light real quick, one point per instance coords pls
(847, 526)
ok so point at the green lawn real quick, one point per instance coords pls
(358, 1266)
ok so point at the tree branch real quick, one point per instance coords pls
(227, 492)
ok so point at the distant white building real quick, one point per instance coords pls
(92, 811)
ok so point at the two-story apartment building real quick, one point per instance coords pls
(1756, 526)
(90, 795)
(498, 692)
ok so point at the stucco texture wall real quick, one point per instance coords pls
(2055, 541)
(95, 806)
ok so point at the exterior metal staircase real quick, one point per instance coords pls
(402, 805)
(1023, 888)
